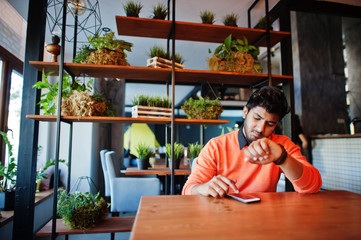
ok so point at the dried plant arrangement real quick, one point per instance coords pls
(207, 17)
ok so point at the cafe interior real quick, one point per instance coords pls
(308, 49)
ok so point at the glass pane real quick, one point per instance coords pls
(16, 92)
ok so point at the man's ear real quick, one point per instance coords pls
(245, 111)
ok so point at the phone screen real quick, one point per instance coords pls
(245, 198)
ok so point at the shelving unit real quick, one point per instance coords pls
(175, 31)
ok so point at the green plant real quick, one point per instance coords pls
(132, 9)
(8, 173)
(144, 151)
(82, 54)
(109, 42)
(262, 23)
(232, 49)
(194, 149)
(230, 19)
(153, 101)
(202, 108)
(160, 11)
(178, 150)
(158, 51)
(207, 17)
(40, 173)
(48, 99)
(81, 210)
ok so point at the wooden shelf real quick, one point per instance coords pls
(188, 31)
(108, 225)
(161, 75)
(74, 119)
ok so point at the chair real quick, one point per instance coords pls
(125, 192)
(105, 172)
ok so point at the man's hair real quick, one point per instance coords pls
(270, 98)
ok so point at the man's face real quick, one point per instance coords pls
(258, 123)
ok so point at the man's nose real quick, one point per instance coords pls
(261, 125)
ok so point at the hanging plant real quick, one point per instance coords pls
(235, 55)
(202, 108)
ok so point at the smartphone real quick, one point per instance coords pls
(243, 198)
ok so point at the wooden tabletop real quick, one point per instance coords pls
(289, 215)
(158, 170)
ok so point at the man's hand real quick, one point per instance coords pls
(263, 151)
(218, 186)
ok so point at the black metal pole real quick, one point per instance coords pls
(58, 123)
(75, 34)
(268, 38)
(69, 156)
(23, 223)
(172, 189)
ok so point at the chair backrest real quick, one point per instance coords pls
(105, 172)
(110, 158)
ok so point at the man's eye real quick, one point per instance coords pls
(271, 124)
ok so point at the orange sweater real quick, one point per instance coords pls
(224, 155)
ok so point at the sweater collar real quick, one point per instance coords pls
(241, 139)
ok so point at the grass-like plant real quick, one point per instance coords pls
(207, 17)
(158, 51)
(81, 210)
(160, 11)
(151, 101)
(144, 151)
(178, 150)
(194, 149)
(230, 20)
(132, 8)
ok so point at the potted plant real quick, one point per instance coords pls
(151, 106)
(160, 11)
(178, 154)
(230, 20)
(144, 152)
(194, 149)
(202, 108)
(81, 210)
(104, 50)
(159, 58)
(8, 178)
(207, 17)
(262, 23)
(235, 55)
(77, 99)
(40, 174)
(132, 9)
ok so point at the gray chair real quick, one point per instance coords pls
(105, 173)
(125, 192)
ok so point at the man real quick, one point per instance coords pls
(251, 159)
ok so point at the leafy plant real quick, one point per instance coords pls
(81, 210)
(132, 9)
(207, 17)
(262, 23)
(8, 173)
(160, 11)
(230, 19)
(144, 151)
(40, 174)
(158, 51)
(202, 108)
(109, 42)
(82, 54)
(194, 149)
(178, 150)
(48, 99)
(230, 51)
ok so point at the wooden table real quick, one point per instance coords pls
(289, 215)
(158, 170)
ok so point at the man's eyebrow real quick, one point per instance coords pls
(257, 115)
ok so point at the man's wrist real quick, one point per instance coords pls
(283, 156)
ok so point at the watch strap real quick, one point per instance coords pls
(283, 156)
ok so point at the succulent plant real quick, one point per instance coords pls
(230, 20)
(160, 11)
(132, 9)
(207, 17)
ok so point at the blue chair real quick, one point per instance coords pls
(125, 192)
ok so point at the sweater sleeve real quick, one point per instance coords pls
(310, 181)
(204, 169)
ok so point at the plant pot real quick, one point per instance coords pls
(7, 200)
(143, 163)
(107, 57)
(176, 163)
(38, 182)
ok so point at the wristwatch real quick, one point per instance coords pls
(283, 156)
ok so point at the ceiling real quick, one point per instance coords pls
(194, 53)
